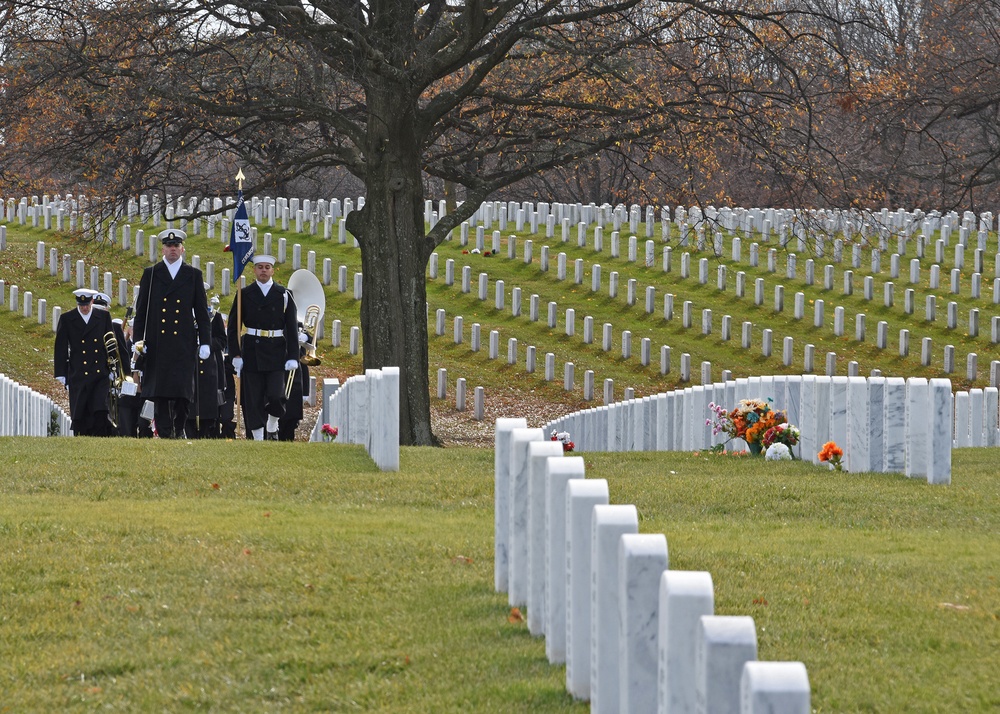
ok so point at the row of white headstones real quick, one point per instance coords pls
(25, 412)
(70, 213)
(365, 410)
(634, 635)
(883, 424)
(691, 223)
(634, 293)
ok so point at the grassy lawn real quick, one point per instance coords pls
(173, 576)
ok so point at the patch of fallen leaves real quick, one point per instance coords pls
(455, 428)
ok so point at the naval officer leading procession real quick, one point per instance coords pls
(172, 332)
(267, 352)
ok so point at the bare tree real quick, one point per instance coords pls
(481, 94)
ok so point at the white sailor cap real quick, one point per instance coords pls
(117, 321)
(172, 235)
(264, 259)
(85, 295)
(102, 299)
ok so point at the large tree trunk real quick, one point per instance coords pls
(394, 255)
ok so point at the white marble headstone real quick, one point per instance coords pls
(642, 559)
(501, 494)
(856, 455)
(876, 423)
(559, 471)
(725, 644)
(517, 578)
(838, 413)
(609, 524)
(822, 394)
(917, 429)
(581, 497)
(774, 688)
(539, 452)
(894, 426)
(684, 597)
(808, 446)
(940, 442)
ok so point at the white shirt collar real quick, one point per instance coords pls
(174, 267)
(86, 318)
(265, 287)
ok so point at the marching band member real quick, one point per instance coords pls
(81, 364)
(170, 292)
(269, 348)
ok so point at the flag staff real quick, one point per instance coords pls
(239, 308)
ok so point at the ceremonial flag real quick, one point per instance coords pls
(240, 243)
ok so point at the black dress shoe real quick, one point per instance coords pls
(270, 436)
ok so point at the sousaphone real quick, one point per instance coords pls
(310, 304)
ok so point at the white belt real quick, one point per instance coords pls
(265, 333)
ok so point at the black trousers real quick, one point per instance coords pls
(263, 396)
(170, 414)
(128, 415)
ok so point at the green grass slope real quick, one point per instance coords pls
(172, 576)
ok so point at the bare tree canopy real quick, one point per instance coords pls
(812, 102)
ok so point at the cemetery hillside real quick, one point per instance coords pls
(653, 564)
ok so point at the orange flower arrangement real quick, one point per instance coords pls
(755, 432)
(833, 454)
(750, 420)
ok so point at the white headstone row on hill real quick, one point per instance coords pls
(810, 228)
(975, 287)
(787, 350)
(887, 429)
(635, 636)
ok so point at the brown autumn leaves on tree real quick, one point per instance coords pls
(806, 104)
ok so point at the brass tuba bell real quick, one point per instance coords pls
(310, 304)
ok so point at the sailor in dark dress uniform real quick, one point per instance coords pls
(172, 332)
(268, 349)
(81, 364)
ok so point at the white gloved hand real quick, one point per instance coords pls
(204, 351)
(303, 338)
(291, 365)
(61, 380)
(238, 365)
(139, 348)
